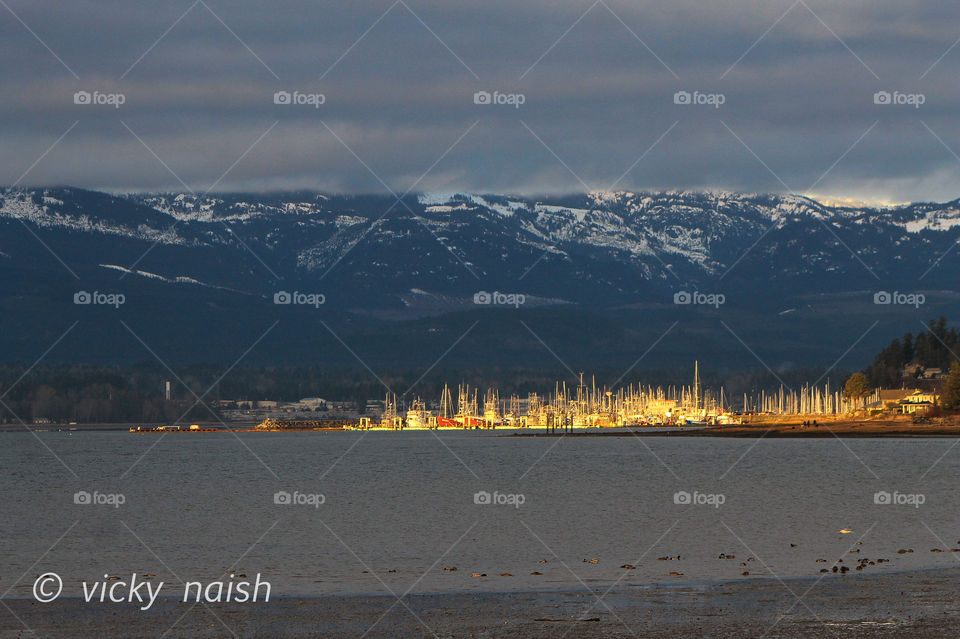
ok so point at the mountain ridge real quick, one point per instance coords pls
(773, 258)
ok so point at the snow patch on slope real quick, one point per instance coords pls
(449, 201)
(933, 221)
(181, 279)
(19, 205)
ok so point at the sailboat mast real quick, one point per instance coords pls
(696, 385)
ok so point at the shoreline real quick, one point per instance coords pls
(770, 433)
(757, 427)
(692, 585)
(947, 427)
(863, 605)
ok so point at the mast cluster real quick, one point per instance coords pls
(583, 406)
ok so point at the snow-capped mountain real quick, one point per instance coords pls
(426, 255)
(618, 244)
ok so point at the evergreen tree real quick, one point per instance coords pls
(950, 394)
(857, 387)
(932, 348)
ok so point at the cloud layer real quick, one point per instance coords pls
(855, 100)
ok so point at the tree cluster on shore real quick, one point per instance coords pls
(937, 347)
(89, 396)
(901, 364)
(858, 387)
(950, 394)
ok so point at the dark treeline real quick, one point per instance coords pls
(933, 348)
(100, 394)
(87, 394)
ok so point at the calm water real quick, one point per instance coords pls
(199, 504)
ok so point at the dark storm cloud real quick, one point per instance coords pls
(596, 100)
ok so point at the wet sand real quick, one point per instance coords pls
(786, 426)
(777, 426)
(917, 604)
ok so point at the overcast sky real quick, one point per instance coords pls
(797, 82)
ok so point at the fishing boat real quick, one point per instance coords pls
(417, 417)
(445, 419)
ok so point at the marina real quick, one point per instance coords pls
(584, 406)
(599, 408)
(566, 408)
